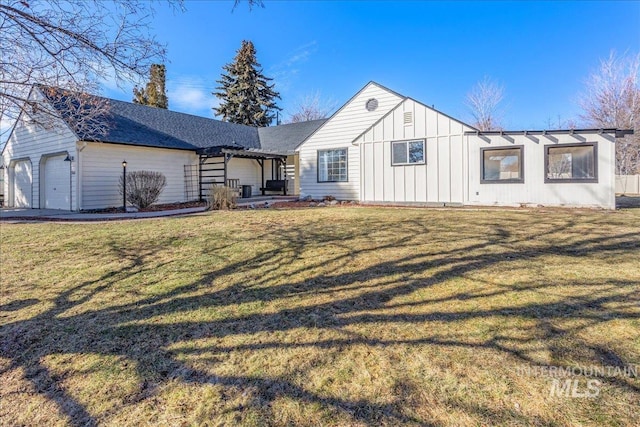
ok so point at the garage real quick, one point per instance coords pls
(22, 184)
(56, 183)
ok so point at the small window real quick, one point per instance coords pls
(502, 165)
(332, 165)
(571, 163)
(407, 152)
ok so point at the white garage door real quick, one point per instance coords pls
(22, 184)
(56, 183)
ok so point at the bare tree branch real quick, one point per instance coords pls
(312, 107)
(483, 101)
(71, 44)
(611, 99)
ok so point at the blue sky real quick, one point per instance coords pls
(433, 52)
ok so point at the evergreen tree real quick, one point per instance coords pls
(154, 94)
(246, 95)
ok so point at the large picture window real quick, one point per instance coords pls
(407, 152)
(571, 163)
(332, 165)
(502, 165)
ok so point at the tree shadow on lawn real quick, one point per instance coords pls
(149, 345)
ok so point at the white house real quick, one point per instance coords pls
(380, 147)
(57, 167)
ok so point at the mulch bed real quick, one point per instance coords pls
(152, 208)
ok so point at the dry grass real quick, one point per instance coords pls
(349, 316)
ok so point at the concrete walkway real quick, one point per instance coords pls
(61, 215)
(21, 214)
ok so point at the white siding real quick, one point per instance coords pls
(439, 180)
(339, 132)
(291, 175)
(534, 190)
(249, 172)
(32, 142)
(22, 179)
(100, 168)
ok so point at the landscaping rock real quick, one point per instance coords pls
(313, 204)
(333, 202)
(252, 206)
(322, 204)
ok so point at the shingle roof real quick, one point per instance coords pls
(286, 138)
(142, 125)
(135, 124)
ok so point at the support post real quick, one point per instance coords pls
(261, 161)
(284, 169)
(224, 179)
(200, 178)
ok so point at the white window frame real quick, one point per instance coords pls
(346, 165)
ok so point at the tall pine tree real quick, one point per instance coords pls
(245, 93)
(154, 94)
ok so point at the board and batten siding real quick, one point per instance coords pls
(534, 190)
(439, 180)
(339, 132)
(30, 141)
(100, 166)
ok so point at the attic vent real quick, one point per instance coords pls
(408, 118)
(371, 104)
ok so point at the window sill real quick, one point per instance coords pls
(502, 181)
(571, 181)
(409, 164)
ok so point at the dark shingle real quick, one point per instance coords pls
(134, 124)
(140, 125)
(286, 138)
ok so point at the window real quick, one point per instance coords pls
(502, 165)
(407, 152)
(332, 165)
(571, 163)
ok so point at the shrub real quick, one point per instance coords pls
(143, 188)
(328, 198)
(221, 198)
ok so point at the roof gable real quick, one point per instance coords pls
(360, 137)
(395, 97)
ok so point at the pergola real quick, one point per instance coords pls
(217, 171)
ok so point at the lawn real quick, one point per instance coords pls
(327, 316)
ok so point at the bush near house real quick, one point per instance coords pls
(143, 187)
(221, 198)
